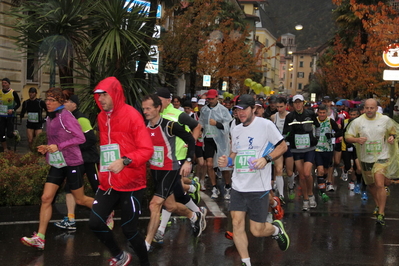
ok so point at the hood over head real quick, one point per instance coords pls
(113, 87)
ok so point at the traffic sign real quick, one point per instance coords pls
(391, 55)
(206, 82)
(392, 75)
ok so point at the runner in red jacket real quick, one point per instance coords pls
(125, 147)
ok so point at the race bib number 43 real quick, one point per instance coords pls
(108, 154)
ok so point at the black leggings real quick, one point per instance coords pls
(130, 203)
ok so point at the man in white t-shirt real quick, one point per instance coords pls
(251, 154)
(373, 135)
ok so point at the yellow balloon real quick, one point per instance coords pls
(253, 84)
(248, 82)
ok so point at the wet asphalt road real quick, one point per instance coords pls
(340, 232)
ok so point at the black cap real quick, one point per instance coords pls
(32, 89)
(326, 98)
(245, 101)
(6, 79)
(163, 92)
(187, 104)
(74, 98)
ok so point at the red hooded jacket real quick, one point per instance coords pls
(123, 125)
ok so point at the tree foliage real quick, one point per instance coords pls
(354, 65)
(228, 57)
(186, 45)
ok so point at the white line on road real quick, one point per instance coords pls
(212, 206)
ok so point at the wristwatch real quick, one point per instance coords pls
(268, 158)
(126, 161)
(188, 159)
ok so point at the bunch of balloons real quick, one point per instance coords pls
(228, 94)
(257, 87)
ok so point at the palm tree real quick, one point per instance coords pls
(55, 31)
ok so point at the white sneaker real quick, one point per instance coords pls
(305, 206)
(202, 183)
(227, 193)
(330, 187)
(335, 172)
(215, 193)
(312, 202)
(351, 186)
(344, 176)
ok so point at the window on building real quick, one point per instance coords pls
(299, 86)
(300, 63)
(300, 75)
(290, 84)
(301, 56)
(267, 42)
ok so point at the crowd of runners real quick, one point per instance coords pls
(266, 151)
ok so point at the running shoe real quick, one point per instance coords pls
(282, 238)
(198, 224)
(305, 206)
(34, 241)
(357, 189)
(344, 176)
(325, 197)
(380, 219)
(335, 172)
(291, 194)
(66, 224)
(110, 220)
(202, 183)
(278, 212)
(312, 202)
(281, 197)
(228, 235)
(204, 211)
(196, 194)
(158, 238)
(351, 186)
(364, 196)
(376, 211)
(330, 187)
(17, 136)
(227, 192)
(122, 259)
(215, 193)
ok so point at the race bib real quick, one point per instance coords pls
(33, 117)
(373, 147)
(108, 154)
(56, 159)
(157, 158)
(210, 132)
(241, 164)
(3, 110)
(302, 141)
